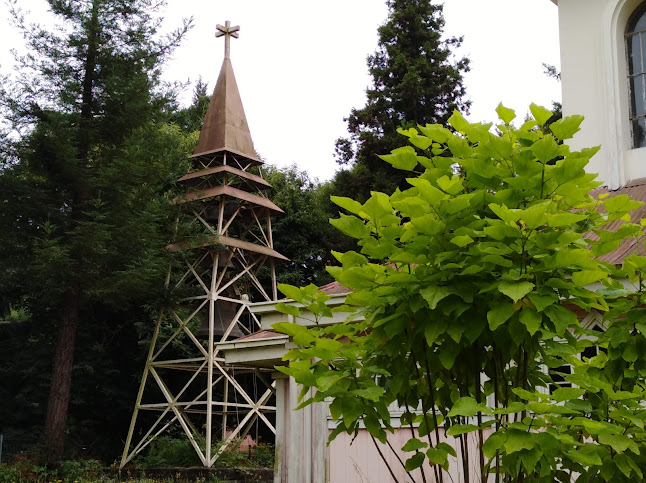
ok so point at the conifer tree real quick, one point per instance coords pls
(415, 80)
(79, 199)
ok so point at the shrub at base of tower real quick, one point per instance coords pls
(468, 281)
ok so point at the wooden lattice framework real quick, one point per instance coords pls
(225, 259)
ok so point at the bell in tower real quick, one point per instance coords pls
(225, 322)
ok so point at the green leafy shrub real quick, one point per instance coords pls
(263, 456)
(466, 287)
(73, 470)
(9, 474)
(170, 452)
(167, 452)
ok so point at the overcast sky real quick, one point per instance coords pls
(301, 65)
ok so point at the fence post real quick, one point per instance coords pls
(1, 439)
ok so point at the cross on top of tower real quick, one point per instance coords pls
(228, 31)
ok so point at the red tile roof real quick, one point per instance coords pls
(334, 288)
(261, 334)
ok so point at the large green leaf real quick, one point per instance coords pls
(525, 394)
(541, 302)
(561, 317)
(531, 319)
(564, 219)
(504, 213)
(414, 444)
(351, 226)
(586, 454)
(462, 240)
(504, 114)
(514, 407)
(567, 393)
(531, 457)
(566, 127)
(433, 329)
(618, 442)
(452, 185)
(288, 309)
(414, 462)
(541, 114)
(493, 444)
(458, 121)
(515, 290)
(349, 204)
(421, 142)
(402, 158)
(436, 132)
(499, 314)
(585, 277)
(621, 461)
(438, 456)
(447, 353)
(351, 410)
(465, 406)
(458, 429)
(545, 149)
(291, 292)
(621, 203)
(518, 440)
(427, 191)
(372, 393)
(326, 381)
(433, 294)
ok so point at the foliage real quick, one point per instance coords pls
(169, 452)
(468, 280)
(302, 233)
(190, 118)
(74, 470)
(84, 217)
(9, 474)
(415, 80)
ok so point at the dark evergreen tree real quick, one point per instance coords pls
(190, 118)
(415, 80)
(80, 190)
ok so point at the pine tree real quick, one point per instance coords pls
(190, 118)
(79, 198)
(415, 80)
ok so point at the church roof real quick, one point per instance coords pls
(637, 191)
(225, 125)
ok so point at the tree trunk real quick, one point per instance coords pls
(59, 392)
(59, 395)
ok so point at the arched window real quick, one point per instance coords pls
(636, 48)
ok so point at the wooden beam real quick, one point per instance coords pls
(230, 242)
(228, 191)
(228, 169)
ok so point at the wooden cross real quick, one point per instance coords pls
(228, 31)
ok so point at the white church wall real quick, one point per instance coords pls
(594, 81)
(356, 460)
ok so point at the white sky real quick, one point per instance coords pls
(301, 66)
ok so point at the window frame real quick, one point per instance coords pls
(630, 32)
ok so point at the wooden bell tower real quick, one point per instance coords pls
(228, 263)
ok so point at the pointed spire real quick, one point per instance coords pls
(225, 125)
